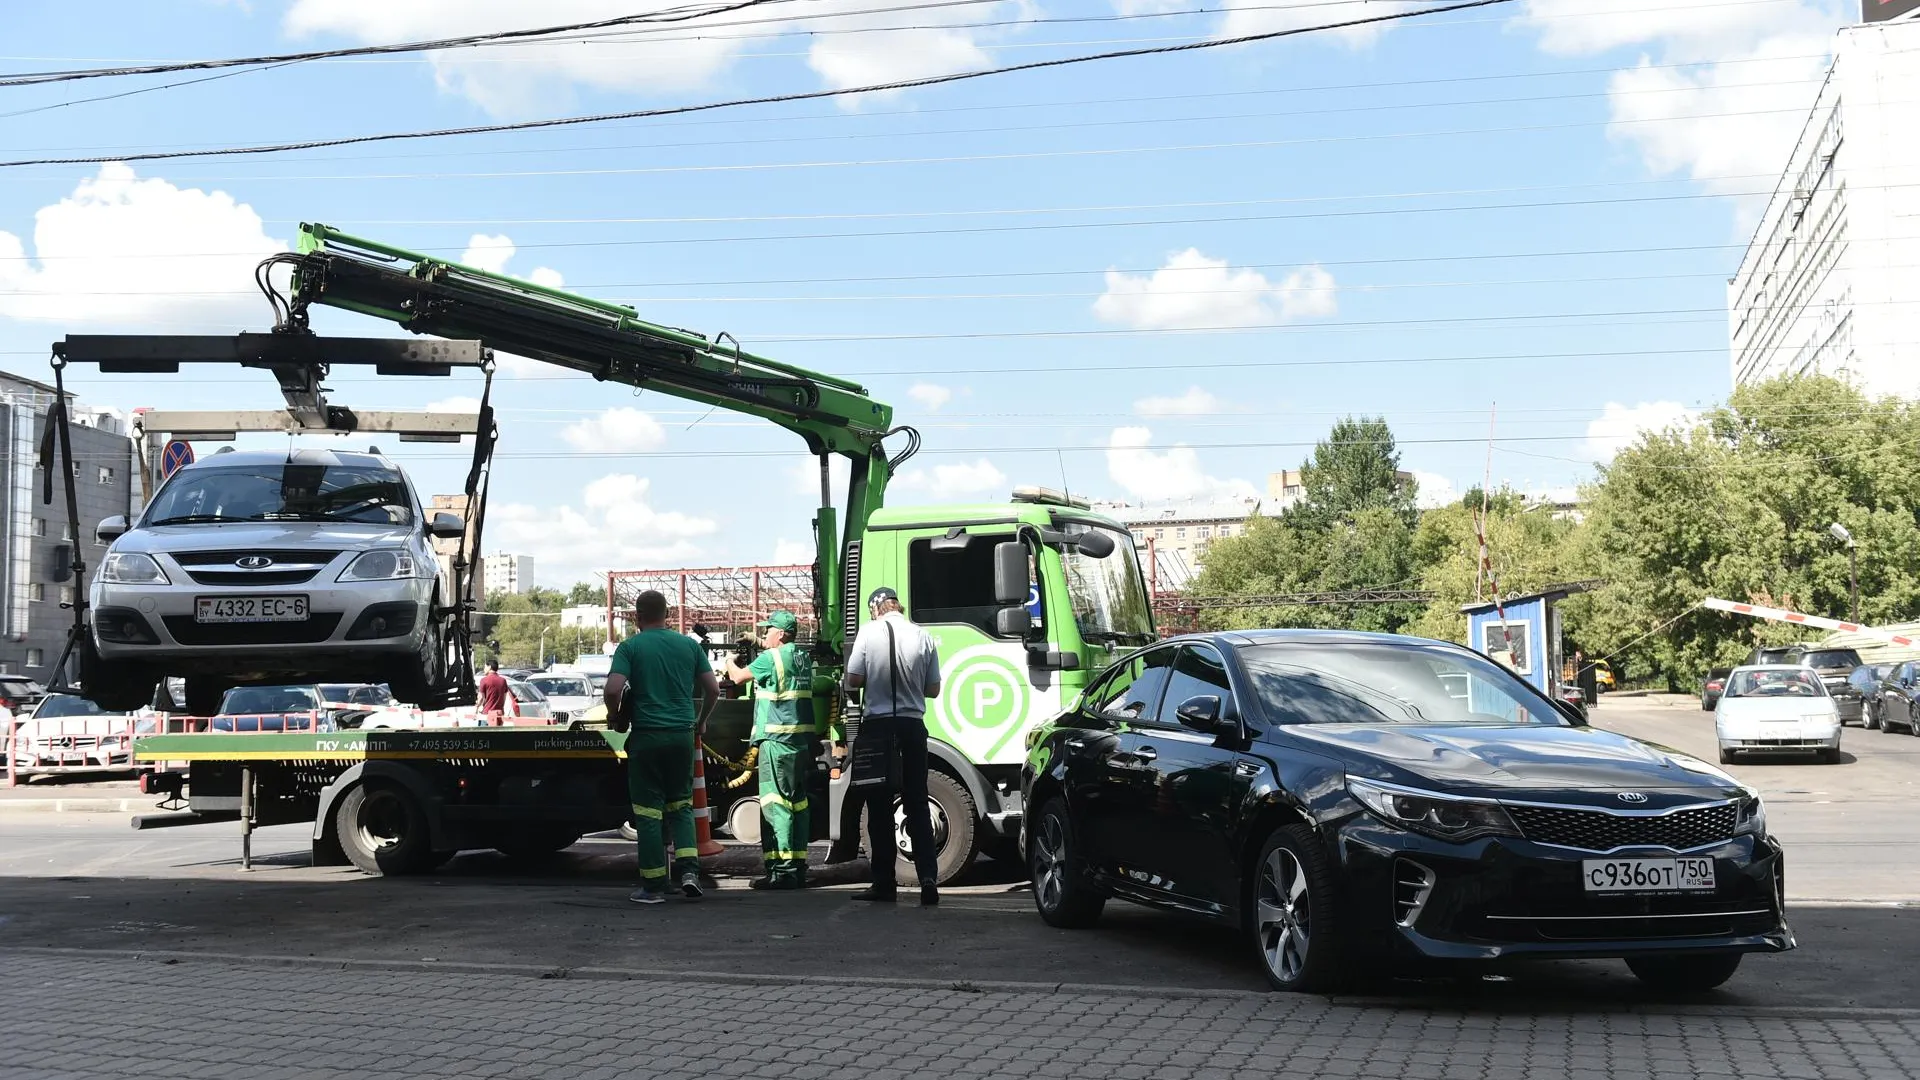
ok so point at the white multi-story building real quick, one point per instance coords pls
(1830, 283)
(1178, 533)
(508, 573)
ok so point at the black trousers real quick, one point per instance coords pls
(910, 742)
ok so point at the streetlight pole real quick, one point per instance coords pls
(1839, 532)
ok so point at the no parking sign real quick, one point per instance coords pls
(176, 454)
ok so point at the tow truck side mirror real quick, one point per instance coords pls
(1011, 581)
(444, 526)
(1012, 622)
(1095, 544)
(111, 529)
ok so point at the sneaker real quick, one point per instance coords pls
(876, 894)
(929, 894)
(690, 886)
(774, 884)
(645, 895)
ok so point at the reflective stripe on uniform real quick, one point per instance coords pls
(686, 853)
(653, 872)
(788, 729)
(799, 856)
(775, 800)
(787, 695)
(647, 812)
(683, 804)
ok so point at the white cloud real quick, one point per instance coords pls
(846, 60)
(806, 478)
(1195, 290)
(956, 481)
(930, 396)
(1265, 16)
(520, 79)
(791, 552)
(1161, 475)
(620, 429)
(1195, 402)
(1737, 113)
(492, 253)
(1619, 426)
(614, 528)
(1434, 490)
(121, 251)
(455, 405)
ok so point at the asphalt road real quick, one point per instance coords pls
(87, 882)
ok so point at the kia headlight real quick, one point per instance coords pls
(383, 565)
(1445, 817)
(132, 568)
(1752, 819)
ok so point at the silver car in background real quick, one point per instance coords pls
(569, 696)
(256, 567)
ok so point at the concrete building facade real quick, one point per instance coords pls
(508, 573)
(33, 624)
(1830, 282)
(1179, 533)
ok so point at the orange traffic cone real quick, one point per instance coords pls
(702, 820)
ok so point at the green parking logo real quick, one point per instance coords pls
(984, 700)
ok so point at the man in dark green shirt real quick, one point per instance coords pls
(650, 690)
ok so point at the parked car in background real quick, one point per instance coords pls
(19, 694)
(1775, 654)
(1603, 679)
(569, 696)
(1835, 667)
(1330, 796)
(528, 702)
(1870, 681)
(1899, 705)
(1777, 709)
(1574, 698)
(1713, 686)
(66, 731)
(304, 707)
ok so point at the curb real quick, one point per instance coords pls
(612, 974)
(94, 805)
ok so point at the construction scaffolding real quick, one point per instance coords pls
(727, 600)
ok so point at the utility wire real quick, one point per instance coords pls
(810, 95)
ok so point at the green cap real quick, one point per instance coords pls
(783, 620)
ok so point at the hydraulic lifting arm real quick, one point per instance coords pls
(612, 343)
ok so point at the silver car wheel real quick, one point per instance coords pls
(1049, 863)
(1283, 915)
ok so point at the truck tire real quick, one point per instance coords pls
(532, 844)
(956, 829)
(383, 830)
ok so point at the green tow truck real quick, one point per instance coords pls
(1027, 599)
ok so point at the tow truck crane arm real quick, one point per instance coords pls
(612, 343)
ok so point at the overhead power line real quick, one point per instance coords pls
(809, 95)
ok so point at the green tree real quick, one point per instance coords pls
(1738, 506)
(1355, 468)
(587, 593)
(1529, 546)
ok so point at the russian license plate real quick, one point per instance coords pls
(245, 609)
(1647, 875)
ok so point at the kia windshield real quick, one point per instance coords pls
(1109, 596)
(291, 492)
(1390, 684)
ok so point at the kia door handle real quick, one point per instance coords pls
(1076, 744)
(1246, 768)
(1145, 753)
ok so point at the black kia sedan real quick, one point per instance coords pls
(1363, 802)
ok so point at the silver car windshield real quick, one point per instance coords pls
(1775, 684)
(290, 492)
(553, 687)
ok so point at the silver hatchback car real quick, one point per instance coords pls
(255, 567)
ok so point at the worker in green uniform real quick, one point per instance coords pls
(783, 729)
(651, 685)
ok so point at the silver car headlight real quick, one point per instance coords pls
(1753, 817)
(132, 568)
(385, 564)
(1446, 817)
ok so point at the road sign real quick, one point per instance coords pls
(175, 455)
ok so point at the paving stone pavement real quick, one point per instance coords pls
(74, 1016)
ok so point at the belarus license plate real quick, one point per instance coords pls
(244, 609)
(1648, 875)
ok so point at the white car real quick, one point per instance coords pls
(69, 732)
(528, 702)
(568, 696)
(1777, 709)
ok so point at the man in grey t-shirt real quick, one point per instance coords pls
(897, 665)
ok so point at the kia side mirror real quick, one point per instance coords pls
(444, 526)
(1201, 714)
(111, 529)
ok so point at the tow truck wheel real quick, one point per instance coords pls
(383, 830)
(203, 694)
(955, 829)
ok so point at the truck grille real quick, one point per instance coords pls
(1602, 830)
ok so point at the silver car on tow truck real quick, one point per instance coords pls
(269, 567)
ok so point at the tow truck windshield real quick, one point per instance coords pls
(297, 492)
(1109, 597)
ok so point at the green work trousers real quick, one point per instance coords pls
(785, 826)
(660, 784)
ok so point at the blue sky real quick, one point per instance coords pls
(1151, 278)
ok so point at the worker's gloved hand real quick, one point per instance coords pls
(743, 652)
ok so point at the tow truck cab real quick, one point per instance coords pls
(1027, 601)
